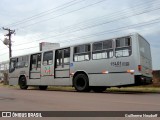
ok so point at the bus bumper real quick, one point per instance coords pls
(143, 80)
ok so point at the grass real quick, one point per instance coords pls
(135, 89)
(61, 88)
(145, 89)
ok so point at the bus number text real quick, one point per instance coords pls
(119, 64)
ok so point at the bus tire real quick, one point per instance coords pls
(22, 83)
(81, 83)
(43, 87)
(99, 89)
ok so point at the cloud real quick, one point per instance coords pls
(15, 10)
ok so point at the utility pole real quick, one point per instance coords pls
(10, 32)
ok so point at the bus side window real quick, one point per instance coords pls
(58, 58)
(62, 57)
(66, 56)
(35, 64)
(123, 47)
(22, 62)
(12, 65)
(103, 49)
(39, 61)
(82, 53)
(48, 58)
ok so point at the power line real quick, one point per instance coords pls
(50, 11)
(3, 54)
(119, 13)
(115, 30)
(89, 21)
(61, 15)
(88, 27)
(26, 48)
(43, 38)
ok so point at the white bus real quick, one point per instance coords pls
(121, 61)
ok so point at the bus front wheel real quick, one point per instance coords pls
(81, 83)
(23, 83)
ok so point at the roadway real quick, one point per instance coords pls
(14, 99)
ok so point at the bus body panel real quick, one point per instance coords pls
(62, 82)
(111, 80)
(14, 81)
(13, 78)
(47, 73)
(116, 67)
(113, 71)
(34, 82)
(145, 57)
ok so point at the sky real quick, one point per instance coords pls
(70, 22)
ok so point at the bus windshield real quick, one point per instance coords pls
(12, 65)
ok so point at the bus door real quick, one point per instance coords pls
(35, 66)
(13, 74)
(47, 69)
(62, 66)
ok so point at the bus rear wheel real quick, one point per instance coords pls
(43, 87)
(81, 83)
(22, 83)
(99, 89)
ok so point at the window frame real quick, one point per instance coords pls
(14, 61)
(37, 66)
(64, 56)
(22, 62)
(121, 48)
(86, 52)
(63, 63)
(106, 51)
(44, 59)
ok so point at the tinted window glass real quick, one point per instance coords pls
(97, 46)
(48, 58)
(102, 50)
(82, 53)
(123, 47)
(107, 44)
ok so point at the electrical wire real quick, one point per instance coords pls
(85, 36)
(117, 29)
(88, 27)
(61, 14)
(50, 11)
(26, 48)
(3, 54)
(112, 20)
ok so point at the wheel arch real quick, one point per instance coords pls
(79, 72)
